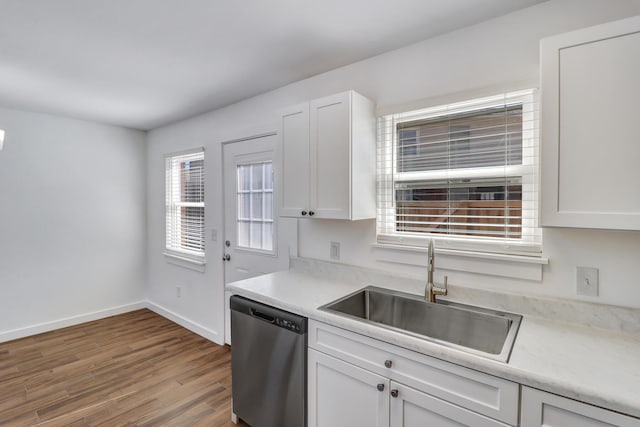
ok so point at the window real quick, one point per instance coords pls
(464, 174)
(185, 204)
(255, 206)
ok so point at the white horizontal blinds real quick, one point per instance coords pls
(464, 173)
(185, 203)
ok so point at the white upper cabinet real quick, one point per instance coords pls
(327, 153)
(590, 133)
(293, 176)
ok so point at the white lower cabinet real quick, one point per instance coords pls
(412, 408)
(341, 394)
(540, 408)
(354, 381)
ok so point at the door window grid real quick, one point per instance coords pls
(255, 206)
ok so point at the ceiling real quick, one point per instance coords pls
(146, 63)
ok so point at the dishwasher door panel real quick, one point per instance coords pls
(269, 365)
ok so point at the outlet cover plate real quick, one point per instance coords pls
(587, 281)
(334, 251)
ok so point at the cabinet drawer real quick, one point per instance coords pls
(485, 394)
(540, 408)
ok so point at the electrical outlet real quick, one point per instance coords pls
(587, 281)
(334, 251)
(178, 291)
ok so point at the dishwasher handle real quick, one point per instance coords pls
(261, 315)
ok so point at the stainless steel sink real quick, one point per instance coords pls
(472, 329)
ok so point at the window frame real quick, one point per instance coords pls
(388, 175)
(173, 204)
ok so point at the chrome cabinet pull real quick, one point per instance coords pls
(394, 393)
(388, 363)
(380, 387)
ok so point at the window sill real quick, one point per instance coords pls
(503, 265)
(185, 262)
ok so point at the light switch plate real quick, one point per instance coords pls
(587, 281)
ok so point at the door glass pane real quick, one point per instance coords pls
(268, 205)
(255, 206)
(244, 177)
(256, 235)
(243, 205)
(268, 176)
(256, 176)
(267, 235)
(243, 233)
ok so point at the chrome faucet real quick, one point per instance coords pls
(431, 290)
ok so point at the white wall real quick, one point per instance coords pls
(499, 54)
(72, 221)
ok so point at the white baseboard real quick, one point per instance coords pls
(197, 328)
(88, 317)
(69, 321)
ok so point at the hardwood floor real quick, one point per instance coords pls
(137, 368)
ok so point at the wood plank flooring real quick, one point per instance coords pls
(136, 368)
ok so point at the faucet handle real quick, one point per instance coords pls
(440, 290)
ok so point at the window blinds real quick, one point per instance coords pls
(185, 203)
(465, 174)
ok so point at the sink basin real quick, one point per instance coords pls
(472, 329)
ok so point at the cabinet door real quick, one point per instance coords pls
(590, 109)
(330, 154)
(343, 395)
(545, 409)
(293, 177)
(411, 408)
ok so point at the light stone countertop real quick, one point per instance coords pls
(593, 365)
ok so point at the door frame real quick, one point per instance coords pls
(293, 250)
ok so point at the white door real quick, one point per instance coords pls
(255, 241)
(343, 395)
(412, 408)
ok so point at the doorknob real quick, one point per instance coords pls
(227, 243)
(226, 257)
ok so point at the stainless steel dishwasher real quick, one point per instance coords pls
(268, 363)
